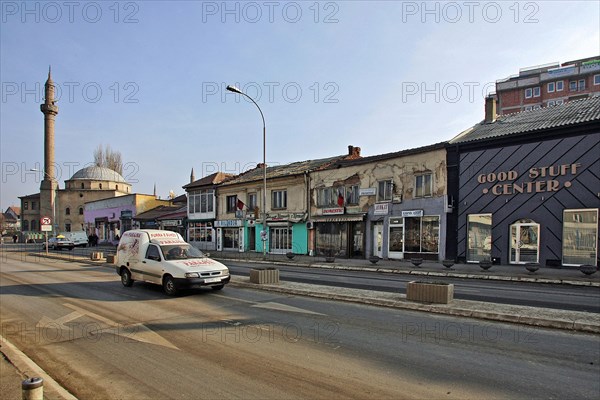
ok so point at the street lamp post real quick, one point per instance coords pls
(263, 233)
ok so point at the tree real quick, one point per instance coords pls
(108, 158)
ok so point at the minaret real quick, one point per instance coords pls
(192, 176)
(49, 185)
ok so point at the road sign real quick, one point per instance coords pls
(46, 224)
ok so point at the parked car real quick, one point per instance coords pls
(59, 243)
(80, 238)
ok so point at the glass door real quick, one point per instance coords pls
(378, 240)
(525, 242)
(280, 240)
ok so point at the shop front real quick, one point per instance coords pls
(230, 235)
(399, 231)
(202, 235)
(339, 234)
(531, 203)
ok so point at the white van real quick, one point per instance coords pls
(164, 258)
(80, 238)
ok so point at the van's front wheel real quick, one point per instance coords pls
(126, 277)
(169, 286)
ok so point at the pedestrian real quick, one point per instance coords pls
(15, 237)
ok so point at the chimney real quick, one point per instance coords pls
(490, 109)
(353, 152)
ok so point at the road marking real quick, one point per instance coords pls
(138, 332)
(272, 306)
(284, 307)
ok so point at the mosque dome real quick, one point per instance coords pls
(98, 174)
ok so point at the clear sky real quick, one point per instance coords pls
(148, 78)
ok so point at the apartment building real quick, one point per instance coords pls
(548, 85)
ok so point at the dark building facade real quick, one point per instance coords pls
(528, 187)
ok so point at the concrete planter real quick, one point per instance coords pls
(430, 292)
(416, 261)
(588, 269)
(485, 264)
(110, 259)
(374, 259)
(96, 255)
(264, 275)
(448, 263)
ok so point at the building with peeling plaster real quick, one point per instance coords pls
(391, 205)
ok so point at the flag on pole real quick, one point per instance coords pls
(240, 204)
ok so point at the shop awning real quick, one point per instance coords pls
(340, 218)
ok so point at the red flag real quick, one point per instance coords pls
(340, 200)
(240, 204)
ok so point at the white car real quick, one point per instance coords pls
(59, 243)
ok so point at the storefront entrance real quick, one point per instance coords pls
(280, 239)
(525, 242)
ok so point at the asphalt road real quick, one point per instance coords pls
(562, 297)
(101, 340)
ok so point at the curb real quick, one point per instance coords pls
(400, 303)
(29, 368)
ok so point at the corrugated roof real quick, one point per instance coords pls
(571, 113)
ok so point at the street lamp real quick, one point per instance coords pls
(263, 233)
(53, 196)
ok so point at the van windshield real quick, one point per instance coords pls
(181, 252)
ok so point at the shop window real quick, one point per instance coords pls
(331, 239)
(231, 238)
(231, 203)
(384, 190)
(422, 234)
(580, 236)
(479, 237)
(423, 185)
(200, 232)
(279, 199)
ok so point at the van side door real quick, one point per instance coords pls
(152, 264)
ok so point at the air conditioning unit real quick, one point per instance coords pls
(310, 225)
